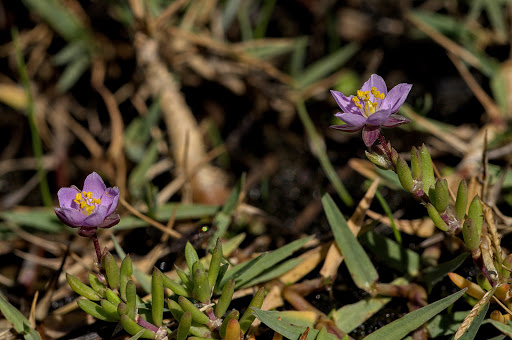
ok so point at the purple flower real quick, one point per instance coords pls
(372, 108)
(89, 209)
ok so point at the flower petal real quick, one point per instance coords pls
(109, 199)
(96, 218)
(66, 196)
(395, 120)
(70, 217)
(345, 103)
(94, 184)
(356, 120)
(346, 128)
(379, 117)
(396, 97)
(370, 134)
(110, 221)
(377, 82)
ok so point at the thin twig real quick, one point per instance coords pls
(156, 224)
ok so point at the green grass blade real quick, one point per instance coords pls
(318, 148)
(401, 327)
(349, 317)
(270, 260)
(391, 253)
(326, 65)
(18, 320)
(389, 214)
(433, 275)
(506, 329)
(358, 263)
(266, 11)
(272, 273)
(287, 330)
(37, 146)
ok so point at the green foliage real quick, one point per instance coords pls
(113, 306)
(401, 327)
(20, 323)
(358, 263)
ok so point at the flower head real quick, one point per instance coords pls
(371, 108)
(89, 209)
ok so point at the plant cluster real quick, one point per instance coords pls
(112, 297)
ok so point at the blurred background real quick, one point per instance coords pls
(179, 103)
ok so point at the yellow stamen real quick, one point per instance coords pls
(382, 96)
(88, 195)
(82, 204)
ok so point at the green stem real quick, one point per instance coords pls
(318, 147)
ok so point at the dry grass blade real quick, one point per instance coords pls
(209, 183)
(473, 314)
(444, 41)
(445, 136)
(156, 224)
(490, 106)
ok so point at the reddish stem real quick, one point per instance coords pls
(97, 247)
(385, 145)
(143, 323)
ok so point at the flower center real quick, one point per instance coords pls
(368, 101)
(86, 203)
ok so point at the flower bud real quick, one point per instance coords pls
(427, 169)
(416, 164)
(461, 203)
(379, 160)
(436, 218)
(442, 198)
(404, 174)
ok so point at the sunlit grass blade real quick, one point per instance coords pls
(401, 327)
(358, 263)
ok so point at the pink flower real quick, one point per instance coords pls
(372, 108)
(89, 209)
